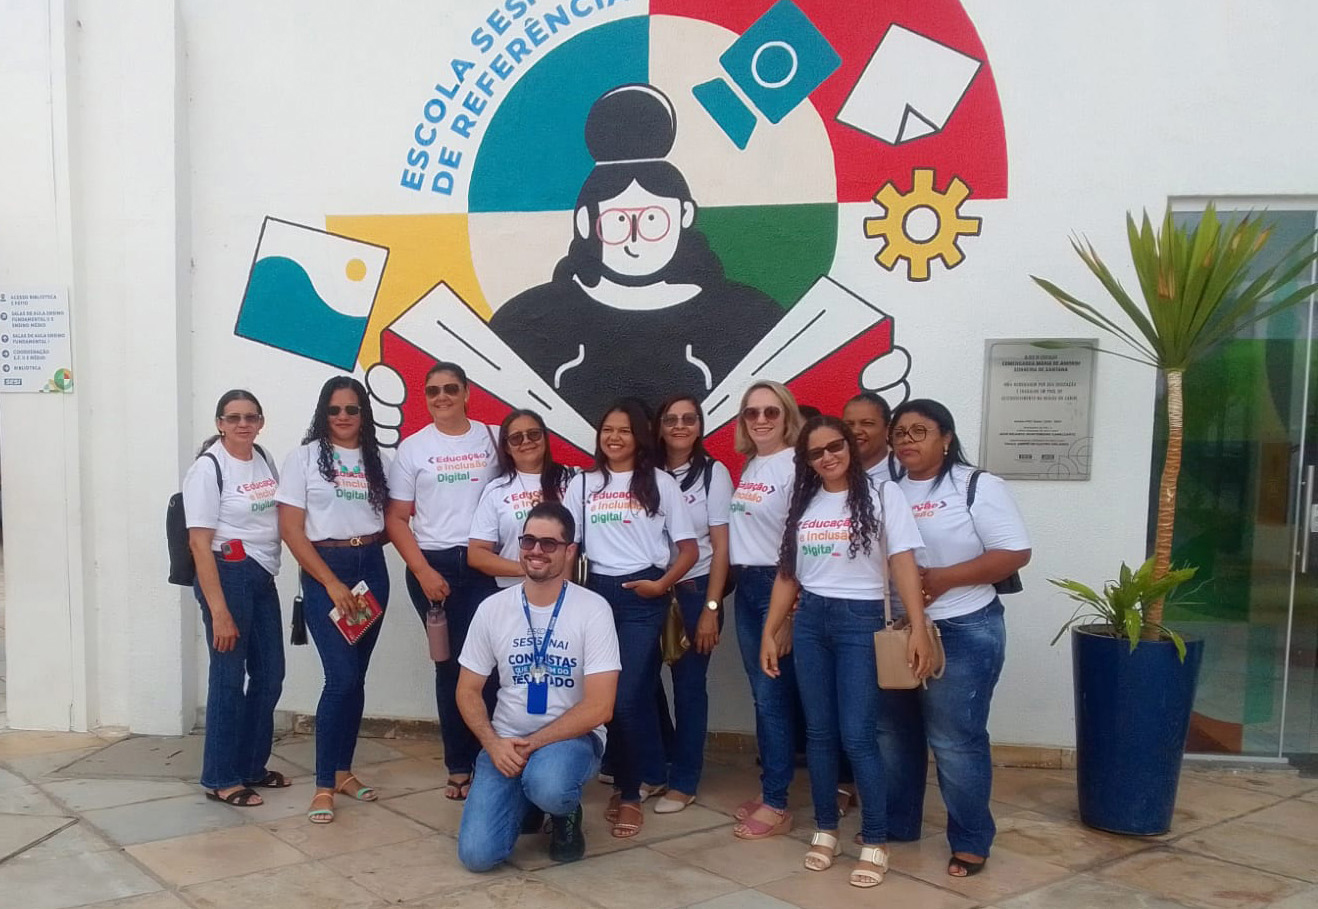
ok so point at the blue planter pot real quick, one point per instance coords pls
(1132, 714)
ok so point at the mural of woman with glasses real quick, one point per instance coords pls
(332, 498)
(435, 483)
(527, 476)
(640, 303)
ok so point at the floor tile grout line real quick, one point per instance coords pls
(39, 840)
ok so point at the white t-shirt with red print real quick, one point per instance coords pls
(339, 510)
(758, 513)
(707, 509)
(824, 564)
(243, 510)
(621, 537)
(501, 515)
(954, 533)
(444, 476)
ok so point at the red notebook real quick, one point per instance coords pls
(356, 623)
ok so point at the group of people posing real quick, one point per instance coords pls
(556, 584)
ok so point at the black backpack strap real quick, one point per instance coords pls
(971, 487)
(709, 474)
(274, 471)
(219, 477)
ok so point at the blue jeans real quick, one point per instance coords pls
(690, 697)
(339, 713)
(834, 645)
(551, 781)
(951, 717)
(634, 733)
(240, 724)
(467, 588)
(775, 699)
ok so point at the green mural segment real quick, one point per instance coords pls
(763, 246)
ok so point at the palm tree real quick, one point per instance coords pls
(1197, 293)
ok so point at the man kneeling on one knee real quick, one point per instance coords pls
(556, 652)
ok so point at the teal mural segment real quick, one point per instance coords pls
(534, 157)
(281, 308)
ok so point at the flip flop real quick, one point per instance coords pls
(239, 798)
(273, 779)
(459, 788)
(623, 829)
(752, 828)
(363, 793)
(969, 868)
(321, 815)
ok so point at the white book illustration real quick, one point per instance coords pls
(826, 317)
(445, 327)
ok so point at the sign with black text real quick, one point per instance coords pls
(1038, 409)
(35, 351)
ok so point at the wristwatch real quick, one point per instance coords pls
(712, 605)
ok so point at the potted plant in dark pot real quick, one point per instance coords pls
(1134, 678)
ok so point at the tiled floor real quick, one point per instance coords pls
(104, 821)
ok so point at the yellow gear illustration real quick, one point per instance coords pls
(946, 207)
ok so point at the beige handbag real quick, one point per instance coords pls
(890, 643)
(673, 642)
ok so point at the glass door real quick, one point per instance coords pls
(1246, 516)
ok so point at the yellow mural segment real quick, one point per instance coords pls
(423, 250)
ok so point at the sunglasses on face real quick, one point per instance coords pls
(548, 545)
(515, 439)
(452, 389)
(837, 446)
(233, 419)
(685, 419)
(351, 410)
(771, 413)
(917, 433)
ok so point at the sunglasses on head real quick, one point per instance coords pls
(452, 389)
(548, 545)
(515, 439)
(837, 446)
(686, 419)
(350, 409)
(751, 414)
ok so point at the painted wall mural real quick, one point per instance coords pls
(635, 198)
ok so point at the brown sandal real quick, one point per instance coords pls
(634, 818)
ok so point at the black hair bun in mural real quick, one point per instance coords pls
(631, 123)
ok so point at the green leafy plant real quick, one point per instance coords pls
(1125, 603)
(1200, 287)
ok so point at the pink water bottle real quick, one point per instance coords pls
(437, 632)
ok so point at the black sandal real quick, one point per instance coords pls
(272, 780)
(968, 868)
(459, 788)
(239, 798)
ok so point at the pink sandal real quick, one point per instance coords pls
(752, 828)
(746, 809)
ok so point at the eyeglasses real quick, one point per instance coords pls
(452, 389)
(771, 413)
(233, 419)
(916, 433)
(515, 439)
(548, 545)
(686, 419)
(619, 225)
(834, 447)
(350, 409)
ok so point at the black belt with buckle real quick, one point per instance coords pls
(353, 542)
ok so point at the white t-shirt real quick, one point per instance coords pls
(705, 510)
(244, 511)
(583, 644)
(444, 476)
(880, 472)
(501, 514)
(335, 511)
(824, 564)
(759, 508)
(951, 537)
(621, 537)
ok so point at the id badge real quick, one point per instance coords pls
(537, 696)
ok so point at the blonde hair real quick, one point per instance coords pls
(792, 420)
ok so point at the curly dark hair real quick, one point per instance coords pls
(865, 527)
(319, 431)
(553, 476)
(644, 488)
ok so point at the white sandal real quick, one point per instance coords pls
(822, 861)
(862, 876)
(666, 804)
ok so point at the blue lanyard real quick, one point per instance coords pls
(540, 652)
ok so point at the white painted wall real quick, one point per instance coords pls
(190, 124)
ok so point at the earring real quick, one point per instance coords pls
(944, 452)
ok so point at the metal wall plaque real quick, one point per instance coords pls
(1038, 409)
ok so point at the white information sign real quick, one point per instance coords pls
(1038, 409)
(35, 351)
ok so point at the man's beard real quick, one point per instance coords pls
(548, 573)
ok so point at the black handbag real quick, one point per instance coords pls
(1012, 582)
